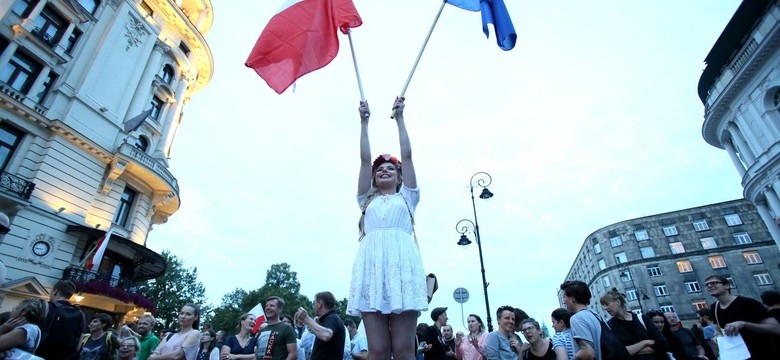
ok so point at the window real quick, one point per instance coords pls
(731, 282)
(125, 206)
(654, 271)
(630, 294)
(597, 248)
(752, 257)
(667, 308)
(700, 225)
(184, 48)
(742, 238)
(677, 247)
(9, 140)
(166, 74)
(717, 262)
(45, 87)
(606, 282)
(157, 105)
(147, 8)
(763, 278)
(708, 243)
(142, 143)
(660, 290)
(616, 241)
(670, 230)
(692, 286)
(22, 7)
(684, 266)
(732, 219)
(620, 257)
(602, 264)
(641, 235)
(90, 5)
(72, 40)
(49, 26)
(625, 276)
(647, 252)
(20, 72)
(699, 304)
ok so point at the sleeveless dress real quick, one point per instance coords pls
(176, 342)
(388, 275)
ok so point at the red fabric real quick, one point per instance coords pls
(259, 321)
(300, 39)
(93, 263)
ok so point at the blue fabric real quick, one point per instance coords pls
(471, 5)
(495, 12)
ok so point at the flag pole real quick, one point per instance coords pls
(419, 55)
(354, 62)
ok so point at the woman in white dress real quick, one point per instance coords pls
(388, 281)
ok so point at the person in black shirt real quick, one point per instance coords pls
(771, 300)
(434, 337)
(330, 332)
(744, 316)
(636, 332)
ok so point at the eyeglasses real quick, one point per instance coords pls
(4, 229)
(528, 329)
(127, 346)
(713, 283)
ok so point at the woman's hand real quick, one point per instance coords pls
(398, 108)
(365, 113)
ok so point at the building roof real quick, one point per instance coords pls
(730, 42)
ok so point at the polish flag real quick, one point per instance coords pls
(301, 38)
(259, 312)
(100, 250)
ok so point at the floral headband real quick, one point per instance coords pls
(381, 159)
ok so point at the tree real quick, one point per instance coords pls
(176, 287)
(226, 316)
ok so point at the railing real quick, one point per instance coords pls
(46, 38)
(82, 275)
(151, 163)
(10, 91)
(16, 185)
(744, 55)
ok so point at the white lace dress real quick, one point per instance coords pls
(388, 275)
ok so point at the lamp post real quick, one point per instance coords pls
(480, 179)
(641, 293)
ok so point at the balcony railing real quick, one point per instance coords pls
(152, 164)
(82, 275)
(16, 185)
(43, 36)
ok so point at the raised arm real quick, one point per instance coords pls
(364, 177)
(407, 167)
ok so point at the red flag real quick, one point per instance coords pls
(301, 38)
(100, 250)
(259, 314)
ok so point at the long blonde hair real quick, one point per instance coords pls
(374, 191)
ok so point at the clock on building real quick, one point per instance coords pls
(41, 248)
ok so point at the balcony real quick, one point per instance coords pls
(106, 292)
(151, 165)
(16, 185)
(82, 275)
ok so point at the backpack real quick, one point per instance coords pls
(62, 330)
(611, 347)
(109, 344)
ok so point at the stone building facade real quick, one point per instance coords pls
(740, 90)
(661, 261)
(91, 95)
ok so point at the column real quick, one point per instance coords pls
(28, 23)
(771, 225)
(742, 147)
(38, 83)
(772, 199)
(734, 158)
(60, 47)
(140, 97)
(171, 116)
(9, 51)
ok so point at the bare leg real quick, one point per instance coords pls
(378, 335)
(403, 334)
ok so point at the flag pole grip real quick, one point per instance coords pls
(419, 55)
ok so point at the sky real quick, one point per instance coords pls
(593, 118)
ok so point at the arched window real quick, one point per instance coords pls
(776, 99)
(142, 143)
(167, 73)
(90, 5)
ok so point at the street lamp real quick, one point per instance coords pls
(480, 179)
(641, 292)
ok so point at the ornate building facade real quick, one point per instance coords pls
(740, 89)
(661, 261)
(91, 95)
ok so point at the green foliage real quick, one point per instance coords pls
(175, 288)
(280, 281)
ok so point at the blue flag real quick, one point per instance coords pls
(493, 12)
